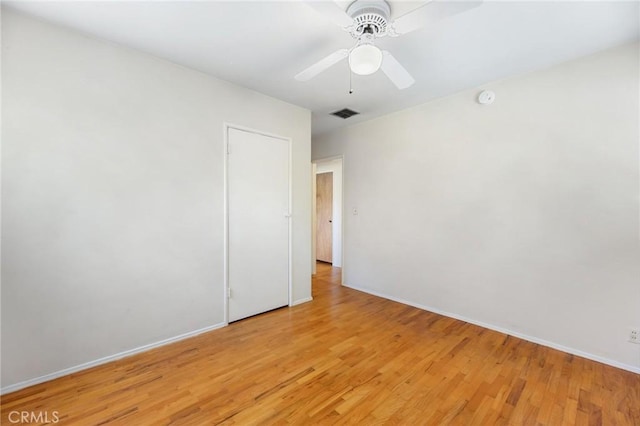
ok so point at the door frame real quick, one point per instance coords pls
(314, 164)
(225, 147)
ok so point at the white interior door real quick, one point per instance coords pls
(258, 223)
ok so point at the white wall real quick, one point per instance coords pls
(522, 215)
(112, 172)
(335, 166)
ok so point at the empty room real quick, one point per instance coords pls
(320, 212)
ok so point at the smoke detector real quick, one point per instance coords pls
(486, 97)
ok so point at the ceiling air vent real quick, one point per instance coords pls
(345, 113)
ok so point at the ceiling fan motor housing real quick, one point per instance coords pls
(369, 17)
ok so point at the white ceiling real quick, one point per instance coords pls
(262, 45)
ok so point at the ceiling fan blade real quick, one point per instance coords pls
(396, 72)
(332, 11)
(322, 65)
(430, 13)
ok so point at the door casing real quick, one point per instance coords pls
(343, 210)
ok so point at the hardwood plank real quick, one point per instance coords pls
(345, 358)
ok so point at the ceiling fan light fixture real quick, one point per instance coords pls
(365, 59)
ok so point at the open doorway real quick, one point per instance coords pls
(327, 212)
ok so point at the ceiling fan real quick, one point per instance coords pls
(367, 20)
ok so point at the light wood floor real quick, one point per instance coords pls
(345, 358)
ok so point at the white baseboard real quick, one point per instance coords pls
(301, 301)
(100, 361)
(542, 342)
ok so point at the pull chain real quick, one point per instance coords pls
(350, 86)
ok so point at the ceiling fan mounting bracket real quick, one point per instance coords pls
(369, 17)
